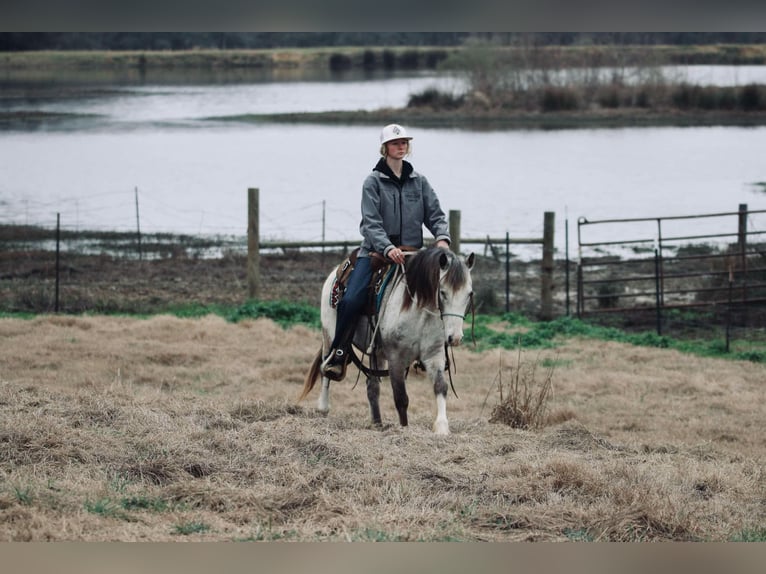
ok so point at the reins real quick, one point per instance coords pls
(401, 275)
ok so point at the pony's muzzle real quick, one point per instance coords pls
(454, 340)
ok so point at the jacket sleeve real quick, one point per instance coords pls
(434, 218)
(371, 226)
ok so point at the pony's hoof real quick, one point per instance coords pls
(441, 428)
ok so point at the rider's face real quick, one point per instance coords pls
(397, 148)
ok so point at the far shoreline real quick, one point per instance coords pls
(509, 120)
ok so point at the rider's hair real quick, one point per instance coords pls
(384, 148)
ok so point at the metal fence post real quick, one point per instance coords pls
(58, 258)
(253, 244)
(566, 269)
(658, 293)
(507, 272)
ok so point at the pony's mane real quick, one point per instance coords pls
(422, 271)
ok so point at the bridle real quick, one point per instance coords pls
(447, 346)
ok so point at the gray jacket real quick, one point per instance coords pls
(394, 212)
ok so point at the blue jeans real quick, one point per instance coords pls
(353, 302)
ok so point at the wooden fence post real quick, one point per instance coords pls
(546, 298)
(742, 245)
(454, 230)
(742, 228)
(253, 245)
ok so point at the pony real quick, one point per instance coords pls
(421, 313)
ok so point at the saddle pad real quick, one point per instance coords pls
(378, 280)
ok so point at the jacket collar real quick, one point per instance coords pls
(382, 167)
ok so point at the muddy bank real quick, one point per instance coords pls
(103, 283)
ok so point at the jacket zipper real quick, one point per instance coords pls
(401, 217)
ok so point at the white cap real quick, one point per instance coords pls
(393, 132)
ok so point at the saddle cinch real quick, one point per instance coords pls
(382, 270)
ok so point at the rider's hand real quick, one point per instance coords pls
(396, 255)
(442, 243)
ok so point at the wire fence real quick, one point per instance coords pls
(19, 243)
(127, 210)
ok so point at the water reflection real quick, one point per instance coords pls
(199, 95)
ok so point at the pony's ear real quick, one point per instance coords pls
(470, 260)
(443, 260)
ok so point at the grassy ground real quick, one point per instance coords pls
(169, 429)
(186, 426)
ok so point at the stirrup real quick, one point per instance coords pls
(334, 365)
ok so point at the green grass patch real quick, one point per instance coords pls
(283, 313)
(507, 331)
(267, 534)
(757, 535)
(23, 495)
(187, 528)
(512, 331)
(105, 507)
(144, 503)
(17, 315)
(555, 363)
(578, 535)
(375, 535)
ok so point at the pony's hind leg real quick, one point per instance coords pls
(373, 396)
(323, 402)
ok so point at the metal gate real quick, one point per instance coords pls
(652, 268)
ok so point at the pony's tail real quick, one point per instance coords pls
(312, 376)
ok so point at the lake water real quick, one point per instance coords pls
(192, 175)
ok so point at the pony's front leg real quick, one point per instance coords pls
(323, 402)
(401, 400)
(436, 370)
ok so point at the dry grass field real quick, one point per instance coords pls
(168, 429)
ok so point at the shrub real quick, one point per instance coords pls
(609, 295)
(434, 58)
(340, 62)
(643, 99)
(748, 98)
(409, 60)
(369, 60)
(525, 403)
(436, 99)
(555, 99)
(752, 98)
(487, 301)
(684, 96)
(609, 98)
(389, 60)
